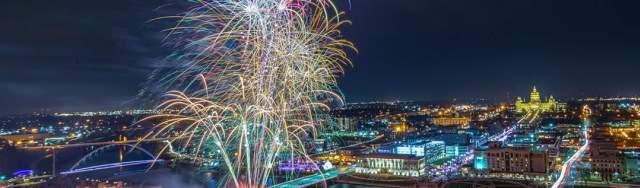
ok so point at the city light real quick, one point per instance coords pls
(275, 94)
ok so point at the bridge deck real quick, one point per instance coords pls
(313, 179)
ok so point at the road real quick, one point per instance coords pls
(566, 166)
(452, 167)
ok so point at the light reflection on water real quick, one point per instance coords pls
(40, 160)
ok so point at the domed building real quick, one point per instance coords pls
(535, 103)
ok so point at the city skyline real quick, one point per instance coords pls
(95, 56)
(319, 93)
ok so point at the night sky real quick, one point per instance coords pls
(78, 55)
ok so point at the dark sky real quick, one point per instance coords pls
(77, 55)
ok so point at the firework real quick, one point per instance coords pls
(256, 77)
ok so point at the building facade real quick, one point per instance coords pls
(390, 164)
(430, 150)
(346, 123)
(448, 121)
(535, 103)
(516, 160)
(434, 150)
(605, 159)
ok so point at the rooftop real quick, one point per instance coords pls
(391, 156)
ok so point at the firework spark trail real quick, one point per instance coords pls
(268, 69)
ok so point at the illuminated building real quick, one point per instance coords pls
(417, 150)
(430, 150)
(399, 127)
(631, 164)
(455, 150)
(345, 123)
(26, 139)
(455, 144)
(516, 160)
(434, 151)
(298, 165)
(561, 107)
(480, 161)
(390, 164)
(448, 121)
(118, 184)
(605, 159)
(535, 103)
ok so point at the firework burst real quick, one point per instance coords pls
(257, 77)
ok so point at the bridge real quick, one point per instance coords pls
(323, 176)
(74, 169)
(486, 182)
(53, 148)
(314, 179)
(110, 166)
(393, 183)
(97, 143)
